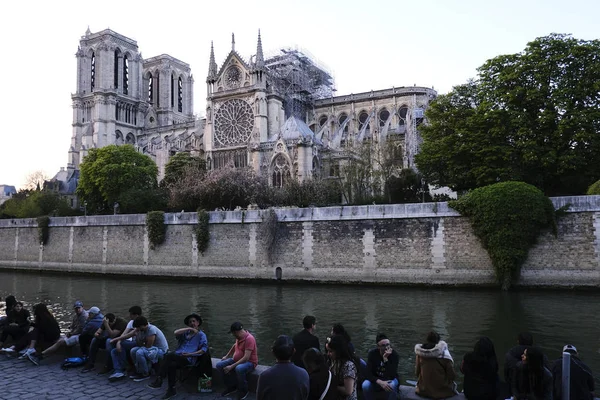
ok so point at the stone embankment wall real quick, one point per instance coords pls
(425, 243)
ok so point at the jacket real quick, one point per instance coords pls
(302, 341)
(92, 325)
(78, 322)
(19, 318)
(378, 369)
(481, 377)
(435, 371)
(521, 388)
(582, 380)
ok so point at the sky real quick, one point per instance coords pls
(366, 45)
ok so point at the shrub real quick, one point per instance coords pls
(43, 229)
(507, 217)
(594, 189)
(202, 231)
(155, 223)
(269, 228)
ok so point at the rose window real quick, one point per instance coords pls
(234, 122)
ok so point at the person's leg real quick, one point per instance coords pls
(395, 386)
(54, 347)
(241, 372)
(228, 379)
(368, 390)
(127, 345)
(84, 343)
(133, 354)
(119, 359)
(108, 346)
(176, 363)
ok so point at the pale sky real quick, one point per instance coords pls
(367, 45)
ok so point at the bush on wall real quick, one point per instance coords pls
(43, 229)
(507, 217)
(268, 232)
(202, 231)
(155, 223)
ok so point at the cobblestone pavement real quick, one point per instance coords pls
(23, 380)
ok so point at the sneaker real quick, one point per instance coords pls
(8, 350)
(106, 370)
(116, 376)
(228, 391)
(87, 368)
(242, 395)
(156, 384)
(141, 377)
(25, 353)
(170, 393)
(34, 358)
(132, 374)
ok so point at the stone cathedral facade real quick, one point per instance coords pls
(275, 114)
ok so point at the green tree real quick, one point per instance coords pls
(407, 187)
(533, 116)
(177, 166)
(117, 174)
(32, 204)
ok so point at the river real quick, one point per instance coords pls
(460, 316)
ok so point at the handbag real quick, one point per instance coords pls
(326, 388)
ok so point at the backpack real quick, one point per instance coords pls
(73, 362)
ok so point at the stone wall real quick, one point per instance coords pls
(393, 244)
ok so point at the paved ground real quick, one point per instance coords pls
(23, 380)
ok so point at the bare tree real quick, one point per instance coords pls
(35, 179)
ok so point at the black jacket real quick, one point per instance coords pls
(378, 369)
(20, 318)
(303, 340)
(521, 389)
(481, 377)
(582, 380)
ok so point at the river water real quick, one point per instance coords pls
(460, 316)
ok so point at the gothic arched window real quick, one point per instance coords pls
(116, 69)
(119, 138)
(362, 120)
(172, 90)
(93, 71)
(322, 120)
(281, 171)
(384, 115)
(150, 89)
(342, 118)
(125, 75)
(130, 139)
(180, 95)
(402, 112)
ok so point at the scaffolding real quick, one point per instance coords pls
(299, 80)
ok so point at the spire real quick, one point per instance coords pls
(212, 65)
(88, 32)
(232, 41)
(260, 58)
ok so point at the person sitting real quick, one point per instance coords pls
(480, 368)
(581, 382)
(94, 322)
(382, 370)
(111, 327)
(531, 379)
(45, 332)
(321, 382)
(434, 368)
(305, 339)
(343, 367)
(239, 361)
(151, 347)
(192, 345)
(338, 329)
(17, 323)
(284, 380)
(94, 319)
(513, 356)
(9, 303)
(123, 345)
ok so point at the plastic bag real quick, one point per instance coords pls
(205, 384)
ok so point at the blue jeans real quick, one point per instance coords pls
(369, 389)
(237, 379)
(95, 345)
(144, 357)
(119, 359)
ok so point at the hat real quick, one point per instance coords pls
(192, 315)
(78, 304)
(569, 348)
(236, 326)
(94, 310)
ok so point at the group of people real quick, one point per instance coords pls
(301, 370)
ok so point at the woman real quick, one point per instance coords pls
(531, 379)
(434, 368)
(338, 329)
(17, 323)
(480, 368)
(45, 332)
(322, 386)
(343, 367)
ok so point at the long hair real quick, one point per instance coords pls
(338, 329)
(533, 370)
(339, 345)
(485, 353)
(41, 313)
(313, 359)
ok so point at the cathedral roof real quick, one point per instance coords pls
(295, 128)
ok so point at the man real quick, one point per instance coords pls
(93, 323)
(382, 370)
(80, 318)
(121, 346)
(513, 356)
(582, 380)
(284, 380)
(305, 339)
(241, 359)
(192, 346)
(151, 347)
(111, 327)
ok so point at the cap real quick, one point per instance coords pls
(94, 310)
(78, 304)
(236, 326)
(569, 348)
(192, 315)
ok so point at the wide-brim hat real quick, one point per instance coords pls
(192, 315)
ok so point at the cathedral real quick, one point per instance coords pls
(276, 114)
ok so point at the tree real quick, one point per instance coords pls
(178, 164)
(407, 187)
(117, 174)
(35, 180)
(31, 204)
(533, 116)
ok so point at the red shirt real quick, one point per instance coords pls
(246, 343)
